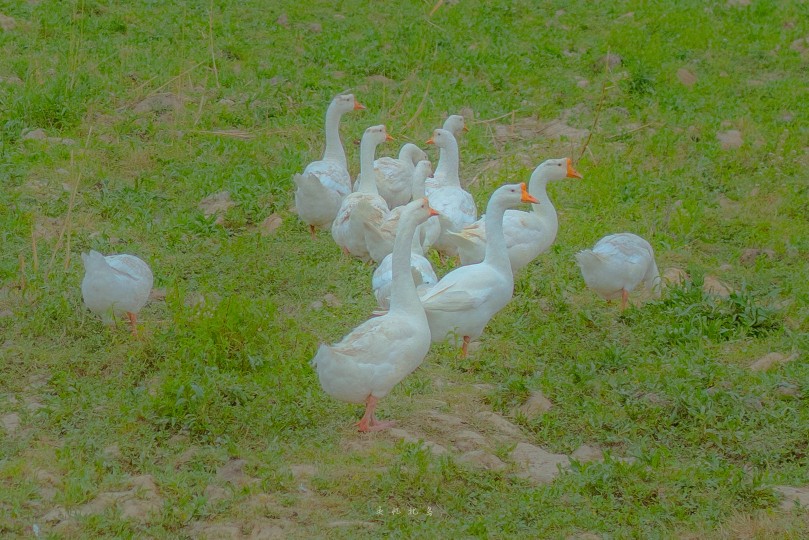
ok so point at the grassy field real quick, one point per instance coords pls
(213, 425)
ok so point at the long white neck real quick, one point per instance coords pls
(367, 174)
(334, 146)
(448, 162)
(404, 297)
(537, 187)
(496, 249)
(410, 154)
(417, 190)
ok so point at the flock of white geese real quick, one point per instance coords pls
(397, 210)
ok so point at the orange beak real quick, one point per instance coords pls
(465, 129)
(571, 172)
(433, 211)
(358, 106)
(430, 141)
(527, 197)
(388, 137)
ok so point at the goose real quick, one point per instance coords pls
(456, 206)
(323, 184)
(455, 124)
(420, 266)
(464, 300)
(527, 233)
(394, 175)
(348, 230)
(617, 264)
(379, 235)
(115, 285)
(375, 356)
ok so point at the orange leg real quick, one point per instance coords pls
(133, 321)
(465, 346)
(624, 299)
(368, 422)
(346, 252)
(312, 231)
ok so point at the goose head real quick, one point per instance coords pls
(93, 261)
(455, 124)
(376, 135)
(511, 195)
(421, 210)
(346, 102)
(423, 170)
(557, 169)
(441, 138)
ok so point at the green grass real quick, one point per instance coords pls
(666, 383)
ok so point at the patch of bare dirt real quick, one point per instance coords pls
(233, 472)
(730, 140)
(750, 255)
(10, 422)
(586, 453)
(532, 128)
(713, 285)
(137, 503)
(7, 23)
(157, 103)
(535, 405)
(686, 77)
(218, 203)
(771, 360)
(675, 276)
(538, 465)
(271, 224)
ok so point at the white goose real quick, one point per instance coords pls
(348, 230)
(379, 236)
(464, 300)
(617, 265)
(379, 353)
(527, 233)
(394, 175)
(323, 184)
(455, 124)
(115, 285)
(420, 266)
(456, 206)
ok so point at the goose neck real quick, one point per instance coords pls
(334, 146)
(403, 296)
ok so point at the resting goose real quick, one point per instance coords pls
(464, 300)
(323, 184)
(394, 175)
(347, 229)
(527, 233)
(115, 285)
(374, 357)
(456, 206)
(617, 265)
